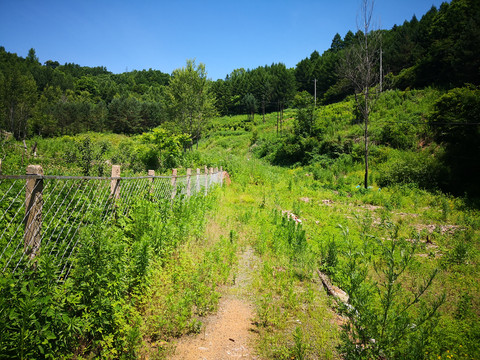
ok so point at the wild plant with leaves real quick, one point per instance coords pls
(385, 320)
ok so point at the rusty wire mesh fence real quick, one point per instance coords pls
(45, 213)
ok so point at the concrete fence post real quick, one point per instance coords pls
(221, 175)
(174, 183)
(206, 180)
(189, 175)
(211, 177)
(197, 182)
(33, 212)
(215, 177)
(115, 183)
(151, 173)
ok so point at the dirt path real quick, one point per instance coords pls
(228, 333)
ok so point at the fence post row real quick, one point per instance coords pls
(34, 198)
(210, 177)
(33, 211)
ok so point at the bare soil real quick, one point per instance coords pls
(229, 333)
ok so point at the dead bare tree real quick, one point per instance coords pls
(360, 66)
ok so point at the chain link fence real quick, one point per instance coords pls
(41, 213)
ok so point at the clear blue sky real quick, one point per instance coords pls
(222, 34)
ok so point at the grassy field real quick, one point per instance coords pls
(408, 257)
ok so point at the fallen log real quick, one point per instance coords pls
(333, 290)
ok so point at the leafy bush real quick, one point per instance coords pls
(399, 135)
(453, 123)
(385, 320)
(420, 168)
(95, 312)
(38, 319)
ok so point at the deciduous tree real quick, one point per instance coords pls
(189, 102)
(360, 67)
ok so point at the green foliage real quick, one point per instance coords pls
(54, 99)
(272, 87)
(452, 123)
(305, 119)
(300, 348)
(384, 319)
(250, 105)
(37, 314)
(141, 279)
(88, 153)
(330, 259)
(95, 312)
(167, 149)
(189, 101)
(399, 135)
(419, 168)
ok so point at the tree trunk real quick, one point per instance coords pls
(366, 115)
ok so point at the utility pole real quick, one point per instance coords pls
(315, 92)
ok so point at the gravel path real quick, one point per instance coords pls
(228, 334)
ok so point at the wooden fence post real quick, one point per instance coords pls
(33, 211)
(189, 174)
(174, 183)
(206, 180)
(115, 183)
(152, 174)
(197, 182)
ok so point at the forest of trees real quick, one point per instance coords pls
(54, 99)
(441, 49)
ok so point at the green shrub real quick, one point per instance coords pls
(399, 135)
(420, 168)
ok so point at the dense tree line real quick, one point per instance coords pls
(441, 49)
(53, 99)
(264, 89)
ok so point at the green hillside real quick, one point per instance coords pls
(382, 245)
(406, 253)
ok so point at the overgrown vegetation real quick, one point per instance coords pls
(402, 251)
(406, 230)
(405, 249)
(136, 283)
